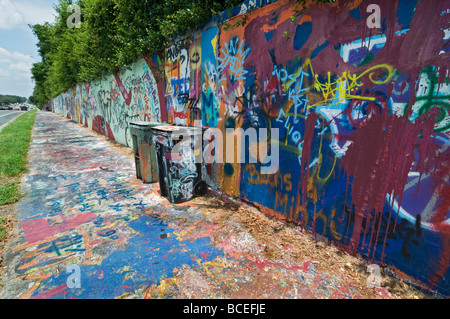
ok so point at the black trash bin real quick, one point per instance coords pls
(144, 151)
(177, 148)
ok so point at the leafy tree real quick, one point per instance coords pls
(113, 34)
(10, 99)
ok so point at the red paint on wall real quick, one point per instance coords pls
(102, 129)
(306, 156)
(160, 86)
(438, 220)
(125, 94)
(381, 155)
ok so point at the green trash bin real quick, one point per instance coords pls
(144, 151)
(180, 176)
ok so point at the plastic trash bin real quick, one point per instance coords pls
(176, 147)
(144, 151)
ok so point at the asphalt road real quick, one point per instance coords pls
(6, 115)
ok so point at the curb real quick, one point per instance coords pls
(10, 121)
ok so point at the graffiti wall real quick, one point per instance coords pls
(108, 106)
(358, 93)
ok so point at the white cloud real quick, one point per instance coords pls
(5, 61)
(20, 67)
(18, 56)
(15, 61)
(5, 55)
(14, 13)
(10, 17)
(4, 73)
(15, 72)
(15, 66)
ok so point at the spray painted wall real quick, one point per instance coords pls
(359, 92)
(109, 105)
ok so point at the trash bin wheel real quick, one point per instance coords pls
(200, 188)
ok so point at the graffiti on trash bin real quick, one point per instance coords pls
(145, 160)
(182, 174)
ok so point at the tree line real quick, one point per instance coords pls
(11, 99)
(111, 34)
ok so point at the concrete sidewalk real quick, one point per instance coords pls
(87, 228)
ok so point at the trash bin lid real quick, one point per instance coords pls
(169, 129)
(195, 132)
(144, 125)
(166, 128)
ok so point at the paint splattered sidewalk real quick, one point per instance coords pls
(85, 207)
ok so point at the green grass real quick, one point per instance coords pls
(10, 192)
(2, 228)
(14, 142)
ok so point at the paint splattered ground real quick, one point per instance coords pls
(84, 206)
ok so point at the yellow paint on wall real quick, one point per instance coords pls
(214, 45)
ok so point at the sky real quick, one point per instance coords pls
(18, 49)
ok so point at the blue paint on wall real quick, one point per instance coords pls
(405, 12)
(209, 104)
(302, 33)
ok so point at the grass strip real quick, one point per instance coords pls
(14, 142)
(2, 227)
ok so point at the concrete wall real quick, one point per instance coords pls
(362, 113)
